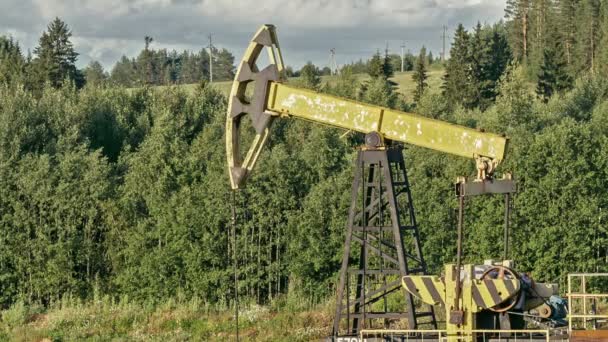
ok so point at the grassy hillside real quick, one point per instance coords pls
(107, 320)
(404, 81)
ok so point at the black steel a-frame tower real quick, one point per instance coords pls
(382, 245)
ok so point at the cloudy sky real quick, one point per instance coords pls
(104, 30)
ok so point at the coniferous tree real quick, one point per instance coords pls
(223, 65)
(517, 12)
(395, 61)
(553, 76)
(194, 67)
(567, 26)
(94, 74)
(457, 78)
(587, 36)
(419, 76)
(387, 67)
(477, 62)
(479, 65)
(309, 76)
(541, 15)
(346, 84)
(124, 73)
(147, 65)
(375, 66)
(490, 60)
(380, 92)
(603, 47)
(12, 62)
(56, 57)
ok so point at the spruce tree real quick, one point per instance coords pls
(147, 64)
(375, 66)
(479, 66)
(419, 76)
(12, 62)
(56, 58)
(380, 92)
(553, 76)
(491, 55)
(387, 67)
(223, 65)
(94, 74)
(123, 72)
(457, 77)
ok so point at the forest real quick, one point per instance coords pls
(111, 187)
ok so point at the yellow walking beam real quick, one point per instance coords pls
(392, 124)
(271, 99)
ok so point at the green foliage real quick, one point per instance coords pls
(175, 319)
(309, 76)
(419, 75)
(574, 29)
(16, 315)
(124, 193)
(375, 66)
(347, 84)
(12, 62)
(379, 66)
(602, 59)
(55, 56)
(123, 73)
(553, 76)
(517, 14)
(456, 86)
(477, 61)
(163, 67)
(380, 92)
(587, 35)
(94, 74)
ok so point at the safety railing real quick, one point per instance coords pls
(406, 335)
(579, 301)
(513, 335)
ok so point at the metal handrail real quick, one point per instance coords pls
(584, 296)
(442, 335)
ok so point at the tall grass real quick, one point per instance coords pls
(107, 319)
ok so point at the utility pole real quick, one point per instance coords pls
(210, 47)
(333, 66)
(402, 55)
(443, 37)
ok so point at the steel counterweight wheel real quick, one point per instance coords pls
(501, 272)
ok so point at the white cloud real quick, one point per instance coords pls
(106, 29)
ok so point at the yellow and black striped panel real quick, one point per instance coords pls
(430, 289)
(491, 292)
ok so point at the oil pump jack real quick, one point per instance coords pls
(382, 252)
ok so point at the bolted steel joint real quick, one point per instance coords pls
(374, 140)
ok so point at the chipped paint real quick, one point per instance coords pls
(395, 125)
